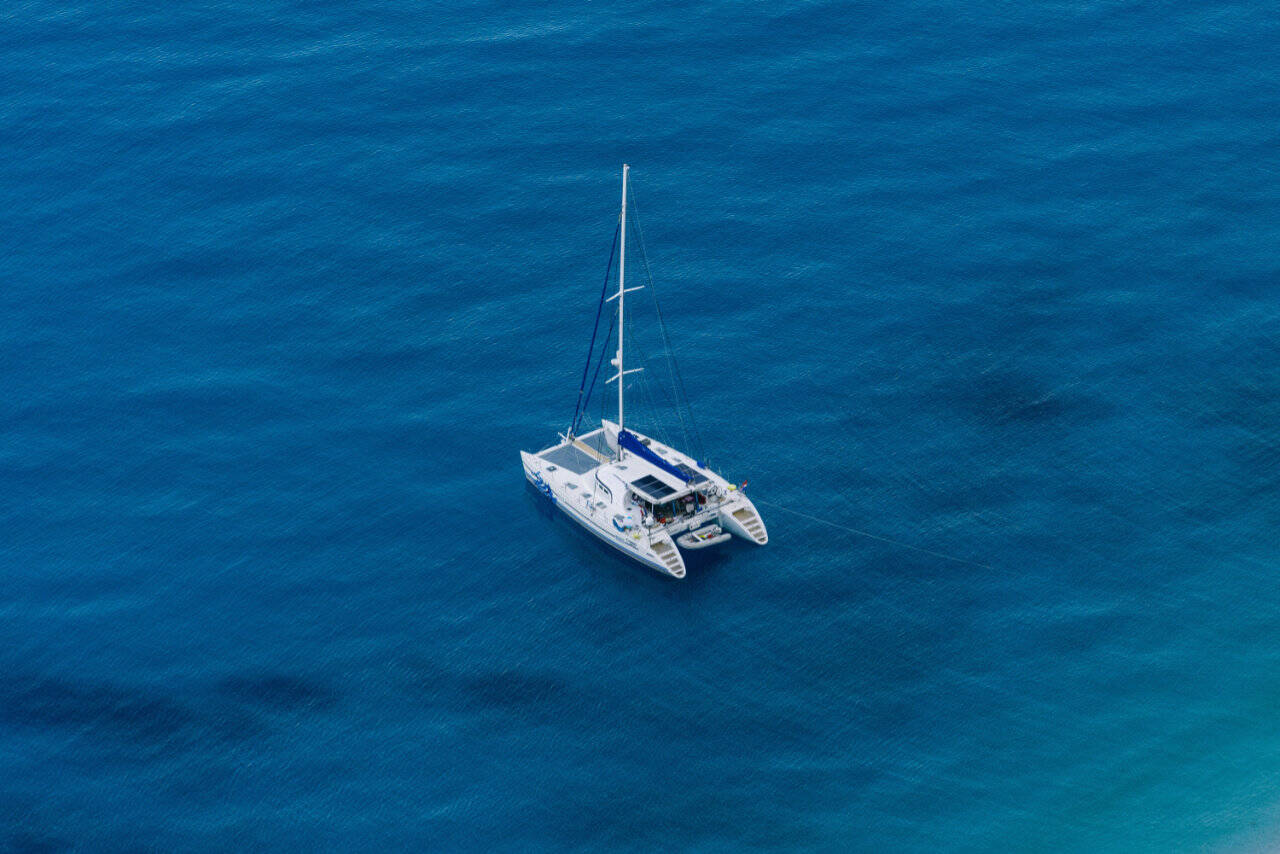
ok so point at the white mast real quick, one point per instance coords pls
(622, 289)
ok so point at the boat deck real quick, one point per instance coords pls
(570, 458)
(597, 441)
(581, 455)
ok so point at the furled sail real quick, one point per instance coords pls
(629, 442)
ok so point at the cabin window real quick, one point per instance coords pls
(572, 485)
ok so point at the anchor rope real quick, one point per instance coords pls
(872, 536)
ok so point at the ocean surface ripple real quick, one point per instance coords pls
(286, 286)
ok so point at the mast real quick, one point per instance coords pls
(616, 361)
(622, 290)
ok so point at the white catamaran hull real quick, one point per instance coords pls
(622, 543)
(628, 490)
(600, 493)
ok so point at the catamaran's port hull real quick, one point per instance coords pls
(620, 544)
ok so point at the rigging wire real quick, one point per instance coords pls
(677, 379)
(872, 536)
(578, 407)
(650, 401)
(599, 364)
(645, 389)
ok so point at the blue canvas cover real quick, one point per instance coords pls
(629, 442)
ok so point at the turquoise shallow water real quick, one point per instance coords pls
(286, 286)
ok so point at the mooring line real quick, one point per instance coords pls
(898, 543)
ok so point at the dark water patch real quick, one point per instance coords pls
(667, 803)
(1257, 289)
(1013, 400)
(511, 688)
(278, 692)
(159, 722)
(1238, 423)
(34, 842)
(969, 491)
(1252, 408)
(518, 692)
(27, 823)
(132, 714)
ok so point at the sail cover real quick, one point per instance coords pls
(631, 443)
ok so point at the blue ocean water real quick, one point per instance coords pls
(285, 286)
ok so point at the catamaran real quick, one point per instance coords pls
(644, 498)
